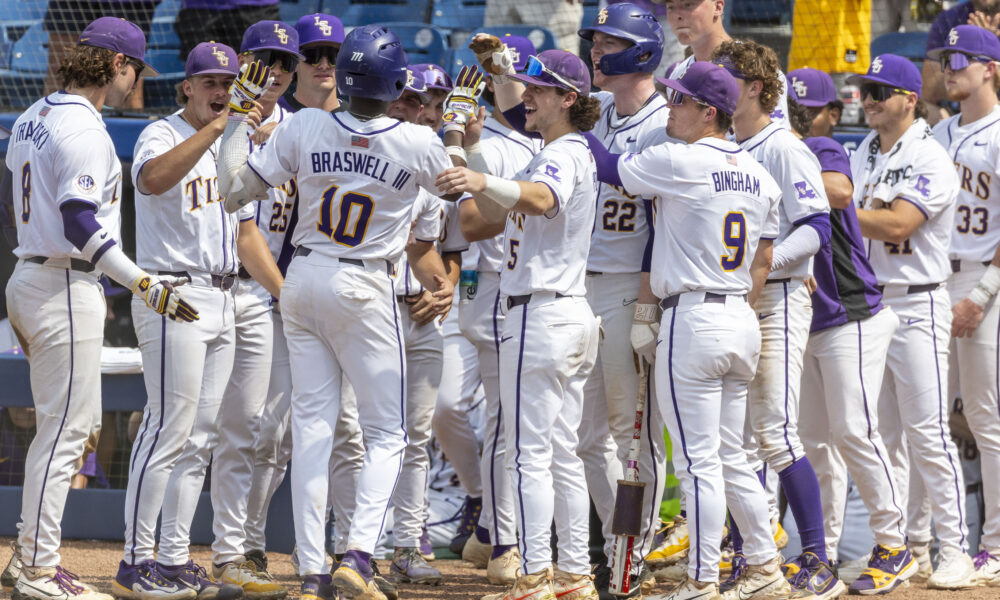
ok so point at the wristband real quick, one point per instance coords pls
(504, 192)
(457, 151)
(645, 313)
(987, 287)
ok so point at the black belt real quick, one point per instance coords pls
(513, 301)
(243, 273)
(589, 272)
(223, 282)
(782, 280)
(75, 264)
(956, 265)
(710, 298)
(916, 289)
(357, 262)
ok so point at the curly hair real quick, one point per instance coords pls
(755, 62)
(800, 118)
(87, 66)
(584, 112)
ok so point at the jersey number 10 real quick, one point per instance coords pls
(354, 213)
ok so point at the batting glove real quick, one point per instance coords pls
(254, 79)
(645, 331)
(161, 296)
(460, 105)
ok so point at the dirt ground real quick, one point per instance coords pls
(96, 563)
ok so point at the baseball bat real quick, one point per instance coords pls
(627, 521)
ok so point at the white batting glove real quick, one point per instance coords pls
(252, 82)
(161, 296)
(460, 105)
(645, 331)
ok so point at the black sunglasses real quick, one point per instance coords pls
(315, 54)
(135, 64)
(286, 61)
(879, 92)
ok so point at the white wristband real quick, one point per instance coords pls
(987, 287)
(504, 192)
(457, 151)
(645, 313)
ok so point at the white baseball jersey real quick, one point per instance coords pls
(549, 252)
(60, 150)
(797, 171)
(917, 170)
(780, 113)
(975, 150)
(427, 217)
(357, 179)
(713, 203)
(185, 228)
(506, 152)
(272, 215)
(621, 229)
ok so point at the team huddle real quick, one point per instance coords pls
(677, 251)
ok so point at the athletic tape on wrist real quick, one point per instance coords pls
(504, 192)
(645, 313)
(987, 287)
(457, 151)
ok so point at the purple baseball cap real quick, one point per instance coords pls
(969, 39)
(271, 35)
(434, 76)
(118, 35)
(708, 83)
(211, 58)
(520, 49)
(811, 87)
(892, 70)
(320, 28)
(416, 83)
(558, 68)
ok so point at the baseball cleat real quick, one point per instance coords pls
(567, 586)
(408, 566)
(52, 583)
(258, 558)
(194, 576)
(675, 572)
(689, 589)
(954, 571)
(317, 587)
(467, 524)
(987, 569)
(760, 581)
(922, 554)
(887, 569)
(354, 578)
(533, 586)
(384, 585)
(476, 552)
(257, 585)
(12, 571)
(503, 569)
(792, 567)
(674, 547)
(815, 580)
(780, 535)
(145, 582)
(426, 548)
(739, 568)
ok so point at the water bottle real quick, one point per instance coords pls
(468, 282)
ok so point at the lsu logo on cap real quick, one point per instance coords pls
(877, 65)
(281, 32)
(602, 17)
(952, 37)
(801, 89)
(220, 56)
(410, 79)
(323, 26)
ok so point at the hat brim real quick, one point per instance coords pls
(536, 81)
(812, 103)
(879, 80)
(676, 85)
(935, 53)
(277, 49)
(148, 70)
(213, 72)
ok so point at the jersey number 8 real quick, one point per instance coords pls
(350, 230)
(25, 192)
(734, 238)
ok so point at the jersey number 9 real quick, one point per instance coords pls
(734, 238)
(355, 212)
(26, 192)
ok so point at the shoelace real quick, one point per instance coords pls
(65, 580)
(251, 566)
(196, 570)
(150, 571)
(470, 516)
(982, 558)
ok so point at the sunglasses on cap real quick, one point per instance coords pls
(536, 68)
(956, 61)
(315, 54)
(881, 93)
(286, 61)
(675, 98)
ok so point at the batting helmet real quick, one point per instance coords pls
(628, 22)
(371, 64)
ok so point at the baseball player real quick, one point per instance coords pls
(439, 85)
(906, 188)
(66, 187)
(972, 139)
(627, 46)
(716, 213)
(784, 307)
(358, 160)
(548, 345)
(842, 370)
(505, 152)
(699, 24)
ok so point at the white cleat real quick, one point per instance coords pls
(12, 571)
(988, 568)
(477, 552)
(760, 582)
(954, 572)
(503, 569)
(921, 552)
(689, 589)
(54, 583)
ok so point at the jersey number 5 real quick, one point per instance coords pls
(25, 192)
(734, 238)
(354, 214)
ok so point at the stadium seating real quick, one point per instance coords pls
(361, 12)
(423, 43)
(24, 80)
(464, 15)
(762, 11)
(291, 10)
(542, 38)
(911, 44)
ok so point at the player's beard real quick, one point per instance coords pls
(957, 95)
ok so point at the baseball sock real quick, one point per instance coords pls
(735, 536)
(802, 491)
(499, 550)
(482, 535)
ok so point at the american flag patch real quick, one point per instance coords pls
(44, 111)
(359, 141)
(731, 159)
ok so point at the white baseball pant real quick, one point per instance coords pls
(342, 320)
(913, 407)
(345, 465)
(838, 424)
(59, 314)
(547, 351)
(706, 357)
(186, 367)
